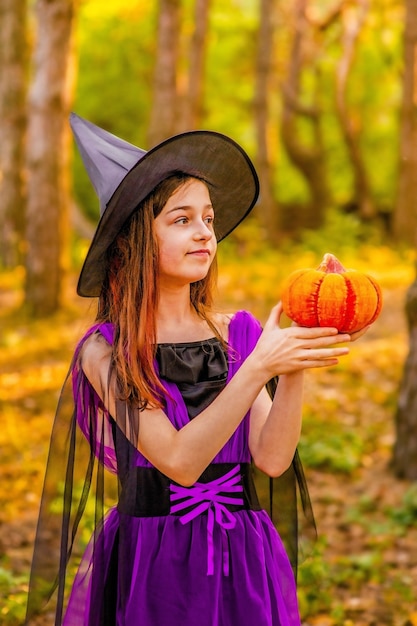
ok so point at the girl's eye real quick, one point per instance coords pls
(181, 220)
(209, 219)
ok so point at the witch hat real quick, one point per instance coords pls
(124, 175)
(107, 159)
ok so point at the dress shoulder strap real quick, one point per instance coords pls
(107, 330)
(244, 332)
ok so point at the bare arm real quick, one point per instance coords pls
(184, 454)
(276, 426)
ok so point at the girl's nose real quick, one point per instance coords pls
(204, 231)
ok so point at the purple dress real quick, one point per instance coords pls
(166, 555)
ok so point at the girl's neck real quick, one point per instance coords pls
(177, 321)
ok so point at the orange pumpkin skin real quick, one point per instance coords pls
(331, 296)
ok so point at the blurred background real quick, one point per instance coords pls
(323, 96)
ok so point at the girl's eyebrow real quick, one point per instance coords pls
(187, 208)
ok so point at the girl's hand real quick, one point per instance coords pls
(288, 350)
(359, 333)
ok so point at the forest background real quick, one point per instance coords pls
(323, 96)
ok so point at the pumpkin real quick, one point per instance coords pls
(332, 296)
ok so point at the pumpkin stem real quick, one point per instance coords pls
(331, 265)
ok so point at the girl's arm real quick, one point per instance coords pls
(184, 454)
(275, 427)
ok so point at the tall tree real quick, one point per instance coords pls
(47, 156)
(308, 157)
(268, 204)
(165, 90)
(192, 98)
(13, 56)
(353, 16)
(405, 449)
(405, 213)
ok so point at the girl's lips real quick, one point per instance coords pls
(201, 252)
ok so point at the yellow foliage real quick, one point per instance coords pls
(322, 620)
(355, 398)
(122, 9)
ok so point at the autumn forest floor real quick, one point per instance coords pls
(364, 569)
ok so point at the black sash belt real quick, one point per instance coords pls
(146, 492)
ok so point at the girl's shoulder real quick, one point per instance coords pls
(98, 332)
(93, 358)
(96, 342)
(96, 345)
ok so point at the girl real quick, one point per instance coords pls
(171, 397)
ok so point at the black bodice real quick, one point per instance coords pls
(198, 368)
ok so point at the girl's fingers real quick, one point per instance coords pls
(299, 331)
(355, 336)
(325, 354)
(274, 316)
(320, 338)
(320, 331)
(321, 363)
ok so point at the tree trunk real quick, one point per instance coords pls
(405, 215)
(268, 207)
(405, 448)
(165, 96)
(13, 57)
(353, 19)
(47, 157)
(405, 224)
(310, 160)
(192, 97)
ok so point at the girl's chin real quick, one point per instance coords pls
(177, 281)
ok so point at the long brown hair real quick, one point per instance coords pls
(130, 296)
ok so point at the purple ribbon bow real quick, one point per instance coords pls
(210, 497)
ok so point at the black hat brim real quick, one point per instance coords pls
(216, 158)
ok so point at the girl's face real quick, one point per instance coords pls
(185, 235)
